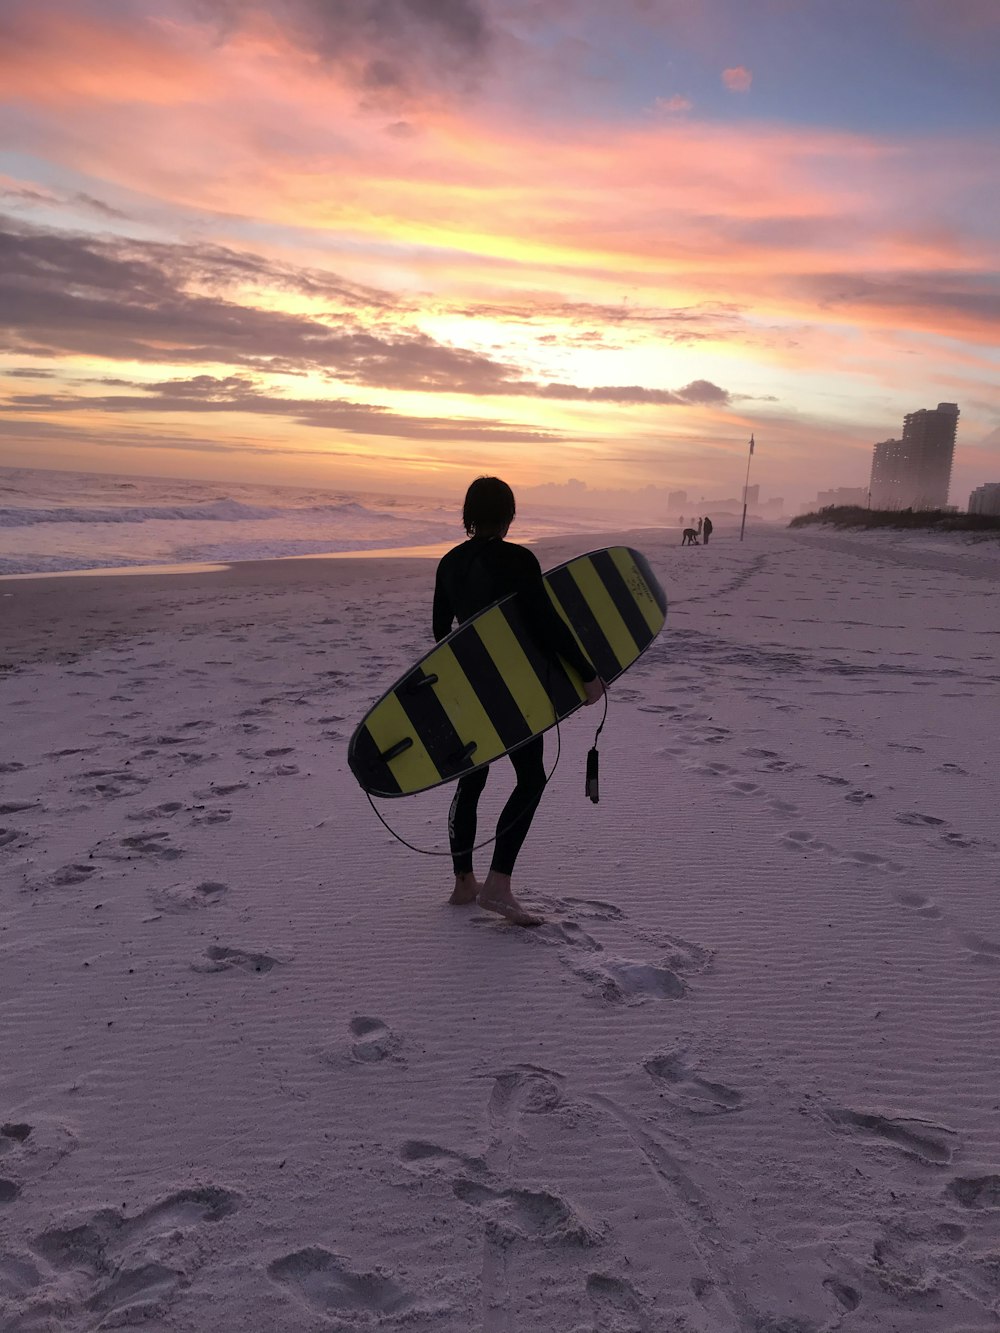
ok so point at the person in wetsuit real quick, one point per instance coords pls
(471, 577)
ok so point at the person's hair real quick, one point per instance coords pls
(489, 503)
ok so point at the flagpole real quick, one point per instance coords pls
(746, 487)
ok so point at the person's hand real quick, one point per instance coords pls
(594, 690)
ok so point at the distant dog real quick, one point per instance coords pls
(690, 537)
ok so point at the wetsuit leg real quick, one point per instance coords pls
(514, 822)
(462, 818)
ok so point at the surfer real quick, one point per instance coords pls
(471, 577)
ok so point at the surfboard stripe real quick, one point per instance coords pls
(602, 604)
(624, 601)
(648, 595)
(501, 643)
(378, 778)
(563, 692)
(497, 700)
(414, 768)
(435, 728)
(466, 710)
(592, 636)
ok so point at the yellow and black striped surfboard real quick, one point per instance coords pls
(487, 688)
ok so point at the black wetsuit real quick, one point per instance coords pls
(469, 578)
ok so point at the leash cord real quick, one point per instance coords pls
(487, 842)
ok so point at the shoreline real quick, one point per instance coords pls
(46, 617)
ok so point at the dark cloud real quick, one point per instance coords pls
(392, 50)
(699, 391)
(206, 394)
(120, 299)
(971, 298)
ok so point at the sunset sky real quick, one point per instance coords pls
(389, 244)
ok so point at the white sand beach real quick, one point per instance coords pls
(256, 1074)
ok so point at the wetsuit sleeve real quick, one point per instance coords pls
(443, 614)
(546, 625)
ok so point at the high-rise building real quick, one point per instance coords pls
(915, 472)
(676, 500)
(985, 499)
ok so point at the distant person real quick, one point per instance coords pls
(706, 529)
(699, 527)
(690, 537)
(470, 578)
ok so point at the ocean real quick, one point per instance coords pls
(52, 522)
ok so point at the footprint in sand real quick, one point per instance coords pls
(870, 860)
(430, 1158)
(922, 1139)
(590, 909)
(372, 1041)
(326, 1283)
(116, 1261)
(801, 840)
(189, 897)
(18, 807)
(976, 1192)
(571, 933)
(628, 981)
(152, 845)
(220, 958)
(220, 789)
(526, 1213)
(109, 783)
(916, 820)
(71, 874)
(165, 811)
(981, 949)
(699, 1095)
(923, 906)
(847, 1296)
(28, 1151)
(617, 1306)
(217, 816)
(9, 835)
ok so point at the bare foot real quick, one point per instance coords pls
(510, 908)
(467, 889)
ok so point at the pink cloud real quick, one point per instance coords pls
(737, 79)
(672, 105)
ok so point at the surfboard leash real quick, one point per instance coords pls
(487, 842)
(591, 791)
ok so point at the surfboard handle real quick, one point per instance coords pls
(394, 751)
(417, 682)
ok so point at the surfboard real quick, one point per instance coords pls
(487, 687)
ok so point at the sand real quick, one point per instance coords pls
(255, 1074)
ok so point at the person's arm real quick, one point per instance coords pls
(443, 614)
(544, 621)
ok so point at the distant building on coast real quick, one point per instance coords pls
(915, 472)
(842, 495)
(676, 500)
(985, 499)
